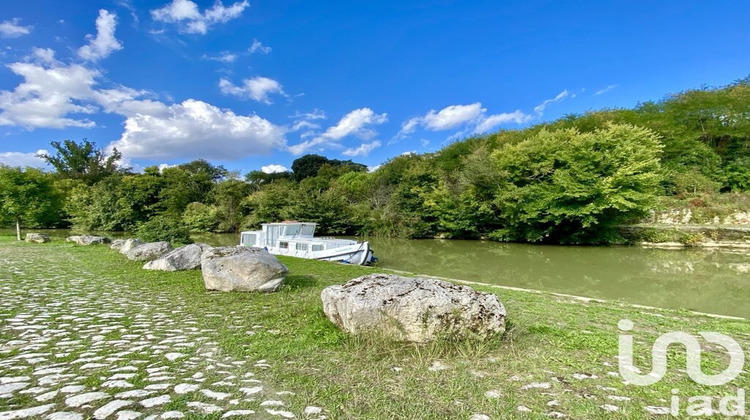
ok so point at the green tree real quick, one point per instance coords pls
(82, 160)
(228, 197)
(308, 166)
(271, 204)
(256, 179)
(188, 183)
(567, 186)
(28, 196)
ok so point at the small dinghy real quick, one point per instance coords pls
(296, 239)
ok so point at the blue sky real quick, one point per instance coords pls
(253, 84)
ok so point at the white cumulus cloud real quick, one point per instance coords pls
(195, 128)
(355, 123)
(256, 88)
(104, 43)
(364, 149)
(492, 121)
(48, 96)
(12, 28)
(257, 46)
(445, 119)
(190, 19)
(455, 116)
(274, 169)
(57, 95)
(24, 159)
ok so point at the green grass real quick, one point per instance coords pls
(549, 339)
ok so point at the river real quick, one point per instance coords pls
(715, 281)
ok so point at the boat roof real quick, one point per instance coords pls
(288, 222)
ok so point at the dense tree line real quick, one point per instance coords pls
(574, 180)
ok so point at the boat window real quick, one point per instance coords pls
(284, 245)
(248, 239)
(272, 233)
(317, 247)
(292, 230)
(301, 247)
(308, 230)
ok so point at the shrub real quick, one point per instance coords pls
(199, 217)
(162, 228)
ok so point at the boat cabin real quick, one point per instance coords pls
(290, 237)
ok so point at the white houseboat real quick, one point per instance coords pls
(296, 239)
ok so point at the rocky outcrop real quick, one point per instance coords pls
(698, 217)
(88, 240)
(186, 257)
(242, 269)
(39, 238)
(128, 244)
(148, 251)
(412, 309)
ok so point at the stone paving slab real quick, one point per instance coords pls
(73, 347)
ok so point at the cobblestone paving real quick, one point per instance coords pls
(73, 347)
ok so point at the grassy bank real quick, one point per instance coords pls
(567, 344)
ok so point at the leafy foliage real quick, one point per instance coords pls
(567, 186)
(308, 165)
(28, 197)
(82, 160)
(199, 217)
(163, 228)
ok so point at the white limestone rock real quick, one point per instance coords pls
(412, 309)
(148, 251)
(38, 238)
(127, 245)
(242, 269)
(186, 257)
(88, 239)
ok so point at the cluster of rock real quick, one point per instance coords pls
(389, 306)
(227, 269)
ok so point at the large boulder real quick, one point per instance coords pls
(148, 251)
(38, 238)
(88, 240)
(186, 257)
(412, 309)
(127, 245)
(242, 269)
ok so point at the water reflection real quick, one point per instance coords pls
(708, 281)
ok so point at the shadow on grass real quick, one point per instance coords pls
(300, 281)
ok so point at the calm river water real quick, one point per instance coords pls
(707, 281)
